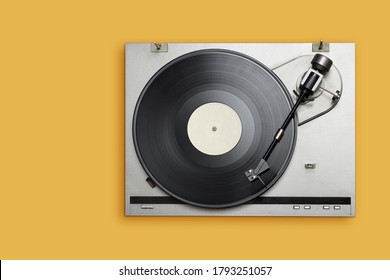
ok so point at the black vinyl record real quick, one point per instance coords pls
(164, 108)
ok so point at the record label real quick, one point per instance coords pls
(214, 128)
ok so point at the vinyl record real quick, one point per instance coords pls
(207, 117)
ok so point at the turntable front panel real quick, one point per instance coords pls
(328, 143)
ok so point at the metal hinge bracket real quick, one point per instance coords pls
(159, 47)
(320, 47)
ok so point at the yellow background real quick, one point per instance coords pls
(62, 130)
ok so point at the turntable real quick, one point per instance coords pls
(240, 129)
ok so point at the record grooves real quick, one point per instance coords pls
(164, 108)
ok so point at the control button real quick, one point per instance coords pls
(337, 207)
(326, 207)
(310, 165)
(147, 207)
(296, 207)
(307, 207)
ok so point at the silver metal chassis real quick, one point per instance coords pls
(328, 142)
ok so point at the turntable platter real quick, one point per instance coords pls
(204, 119)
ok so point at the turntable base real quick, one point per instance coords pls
(317, 178)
